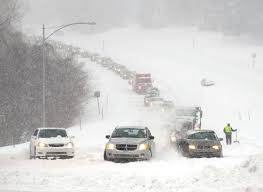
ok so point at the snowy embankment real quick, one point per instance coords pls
(177, 67)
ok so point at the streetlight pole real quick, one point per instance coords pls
(44, 78)
(4, 128)
(44, 38)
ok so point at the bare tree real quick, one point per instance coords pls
(21, 82)
(8, 12)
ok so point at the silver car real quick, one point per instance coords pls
(129, 143)
(51, 142)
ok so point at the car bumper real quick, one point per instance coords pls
(136, 155)
(55, 152)
(205, 153)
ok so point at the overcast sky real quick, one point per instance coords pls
(228, 16)
(105, 12)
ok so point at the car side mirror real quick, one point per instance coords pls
(107, 136)
(151, 137)
(221, 139)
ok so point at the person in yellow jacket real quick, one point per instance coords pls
(228, 132)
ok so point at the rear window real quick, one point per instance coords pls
(203, 136)
(48, 133)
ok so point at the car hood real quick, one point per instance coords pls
(55, 140)
(123, 140)
(203, 142)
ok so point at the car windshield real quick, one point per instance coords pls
(203, 136)
(48, 133)
(129, 132)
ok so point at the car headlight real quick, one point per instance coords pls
(192, 147)
(70, 145)
(173, 139)
(216, 147)
(110, 146)
(40, 144)
(144, 146)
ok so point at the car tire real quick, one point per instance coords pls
(150, 150)
(33, 156)
(183, 150)
(105, 156)
(180, 149)
(30, 154)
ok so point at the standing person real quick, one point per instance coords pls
(228, 132)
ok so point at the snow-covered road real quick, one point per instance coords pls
(240, 170)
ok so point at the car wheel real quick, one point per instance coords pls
(105, 156)
(30, 153)
(33, 156)
(182, 149)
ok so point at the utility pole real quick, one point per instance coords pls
(44, 79)
(80, 120)
(98, 102)
(103, 45)
(254, 55)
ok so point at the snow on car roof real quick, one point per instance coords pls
(198, 131)
(137, 127)
(41, 128)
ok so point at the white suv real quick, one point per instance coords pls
(51, 142)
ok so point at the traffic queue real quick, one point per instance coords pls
(133, 142)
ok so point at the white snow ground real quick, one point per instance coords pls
(177, 66)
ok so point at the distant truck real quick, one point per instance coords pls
(141, 83)
(186, 118)
(193, 114)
